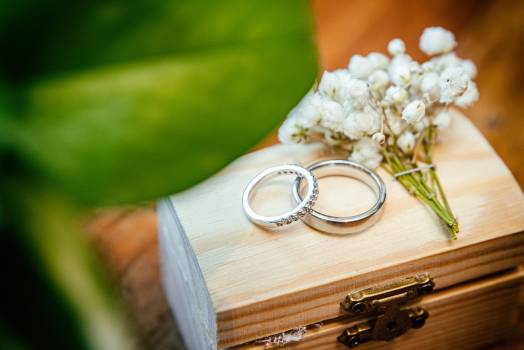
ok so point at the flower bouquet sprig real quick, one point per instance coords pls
(390, 111)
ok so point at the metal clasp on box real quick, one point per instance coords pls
(385, 306)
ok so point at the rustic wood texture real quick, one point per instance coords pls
(464, 317)
(264, 282)
(490, 32)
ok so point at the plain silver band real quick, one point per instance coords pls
(348, 224)
(301, 210)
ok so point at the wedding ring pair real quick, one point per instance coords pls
(306, 201)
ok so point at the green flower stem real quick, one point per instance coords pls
(418, 187)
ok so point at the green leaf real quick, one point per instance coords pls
(124, 103)
(73, 293)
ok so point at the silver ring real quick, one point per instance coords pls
(347, 224)
(301, 210)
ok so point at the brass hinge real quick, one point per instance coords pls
(385, 306)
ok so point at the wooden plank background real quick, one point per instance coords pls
(489, 32)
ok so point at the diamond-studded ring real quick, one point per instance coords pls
(303, 208)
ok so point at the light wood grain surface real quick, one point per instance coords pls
(464, 317)
(264, 282)
(490, 32)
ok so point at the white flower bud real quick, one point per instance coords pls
(366, 152)
(360, 67)
(453, 82)
(442, 120)
(470, 96)
(379, 138)
(406, 142)
(396, 47)
(437, 40)
(414, 112)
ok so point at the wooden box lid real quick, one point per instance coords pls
(262, 282)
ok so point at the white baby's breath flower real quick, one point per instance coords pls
(453, 82)
(378, 80)
(290, 132)
(400, 70)
(470, 96)
(333, 115)
(406, 142)
(442, 120)
(396, 95)
(396, 47)
(308, 112)
(430, 85)
(356, 93)
(414, 112)
(360, 67)
(332, 84)
(366, 152)
(379, 138)
(437, 40)
(361, 123)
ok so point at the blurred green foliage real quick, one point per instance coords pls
(105, 102)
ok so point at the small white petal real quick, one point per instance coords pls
(437, 40)
(406, 142)
(414, 112)
(360, 67)
(396, 47)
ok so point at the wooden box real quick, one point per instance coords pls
(233, 284)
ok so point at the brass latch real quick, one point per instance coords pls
(385, 307)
